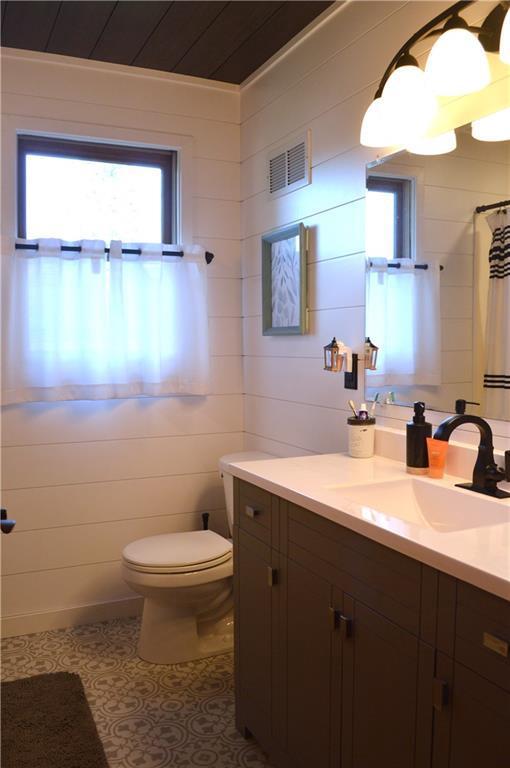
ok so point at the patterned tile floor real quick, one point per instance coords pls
(147, 715)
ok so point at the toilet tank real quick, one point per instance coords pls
(228, 479)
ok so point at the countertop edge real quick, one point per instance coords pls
(458, 569)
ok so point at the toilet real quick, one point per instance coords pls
(186, 582)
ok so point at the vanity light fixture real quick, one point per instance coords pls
(436, 145)
(495, 127)
(403, 105)
(410, 103)
(457, 63)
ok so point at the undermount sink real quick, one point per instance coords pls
(427, 504)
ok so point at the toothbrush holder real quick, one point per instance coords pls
(361, 434)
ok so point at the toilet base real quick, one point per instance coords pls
(166, 639)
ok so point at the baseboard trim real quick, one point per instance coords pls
(27, 624)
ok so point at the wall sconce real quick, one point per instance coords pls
(405, 102)
(370, 355)
(333, 360)
(334, 355)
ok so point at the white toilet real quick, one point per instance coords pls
(186, 580)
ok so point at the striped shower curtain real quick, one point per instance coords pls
(497, 370)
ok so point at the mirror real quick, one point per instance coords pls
(442, 326)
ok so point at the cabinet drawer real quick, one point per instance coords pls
(381, 578)
(482, 634)
(253, 513)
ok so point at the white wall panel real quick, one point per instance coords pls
(347, 324)
(217, 179)
(86, 420)
(87, 462)
(92, 82)
(83, 478)
(224, 297)
(37, 509)
(314, 428)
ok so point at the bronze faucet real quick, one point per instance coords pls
(486, 473)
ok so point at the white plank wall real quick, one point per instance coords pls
(83, 479)
(325, 83)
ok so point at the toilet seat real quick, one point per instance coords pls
(170, 553)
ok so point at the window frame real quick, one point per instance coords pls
(47, 146)
(402, 189)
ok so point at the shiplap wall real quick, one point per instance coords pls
(324, 83)
(83, 479)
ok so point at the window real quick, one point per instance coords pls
(389, 218)
(98, 308)
(74, 190)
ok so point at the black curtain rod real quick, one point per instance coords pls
(482, 208)
(396, 265)
(133, 251)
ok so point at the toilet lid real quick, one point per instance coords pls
(178, 552)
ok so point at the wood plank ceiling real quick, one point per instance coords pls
(224, 41)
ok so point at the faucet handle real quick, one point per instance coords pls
(460, 406)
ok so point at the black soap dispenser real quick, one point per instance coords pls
(418, 430)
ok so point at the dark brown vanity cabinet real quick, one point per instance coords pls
(351, 655)
(256, 609)
(472, 725)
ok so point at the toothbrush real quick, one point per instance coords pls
(376, 399)
(353, 408)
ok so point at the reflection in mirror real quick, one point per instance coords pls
(438, 277)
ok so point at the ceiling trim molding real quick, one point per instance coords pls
(296, 41)
(56, 59)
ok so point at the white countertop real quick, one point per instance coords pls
(478, 555)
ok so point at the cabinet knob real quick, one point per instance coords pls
(337, 619)
(251, 512)
(495, 644)
(272, 576)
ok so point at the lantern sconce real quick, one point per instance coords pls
(332, 359)
(371, 351)
(334, 354)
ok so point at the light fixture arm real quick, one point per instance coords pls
(488, 33)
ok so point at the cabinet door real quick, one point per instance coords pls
(255, 578)
(309, 678)
(472, 729)
(386, 693)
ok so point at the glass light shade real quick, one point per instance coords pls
(494, 127)
(437, 145)
(457, 64)
(374, 128)
(410, 104)
(504, 44)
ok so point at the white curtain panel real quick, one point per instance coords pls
(497, 368)
(404, 321)
(80, 327)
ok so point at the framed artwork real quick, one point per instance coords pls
(284, 253)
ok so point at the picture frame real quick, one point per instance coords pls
(284, 281)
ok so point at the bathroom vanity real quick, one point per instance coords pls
(362, 640)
